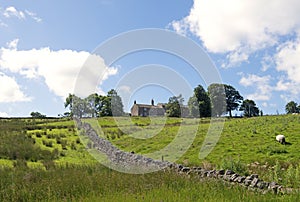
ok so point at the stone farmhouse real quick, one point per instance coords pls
(148, 110)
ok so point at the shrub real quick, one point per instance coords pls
(49, 144)
(73, 146)
(55, 153)
(20, 163)
(62, 153)
(38, 134)
(234, 165)
(58, 140)
(78, 141)
(50, 136)
(62, 135)
(277, 172)
(49, 165)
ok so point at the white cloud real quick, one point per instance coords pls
(240, 27)
(124, 89)
(252, 79)
(60, 69)
(235, 58)
(287, 97)
(13, 12)
(290, 88)
(283, 85)
(33, 16)
(267, 62)
(268, 104)
(260, 83)
(2, 24)
(13, 44)
(287, 60)
(3, 114)
(10, 91)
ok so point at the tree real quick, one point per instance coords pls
(105, 109)
(193, 106)
(93, 103)
(79, 107)
(291, 107)
(116, 103)
(69, 102)
(217, 96)
(200, 101)
(233, 99)
(249, 108)
(173, 107)
(37, 115)
(224, 98)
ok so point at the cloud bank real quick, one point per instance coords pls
(241, 29)
(240, 26)
(10, 91)
(12, 12)
(59, 69)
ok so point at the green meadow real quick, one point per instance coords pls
(47, 159)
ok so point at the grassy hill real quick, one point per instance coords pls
(46, 159)
(246, 145)
(250, 140)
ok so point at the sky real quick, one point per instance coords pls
(44, 45)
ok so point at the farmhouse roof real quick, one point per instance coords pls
(148, 106)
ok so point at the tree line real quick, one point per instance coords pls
(95, 105)
(218, 100)
(292, 107)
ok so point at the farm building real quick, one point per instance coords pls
(147, 110)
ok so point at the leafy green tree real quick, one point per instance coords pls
(233, 99)
(79, 107)
(93, 103)
(249, 108)
(69, 103)
(291, 107)
(201, 101)
(105, 109)
(224, 98)
(217, 96)
(193, 106)
(173, 107)
(116, 103)
(37, 115)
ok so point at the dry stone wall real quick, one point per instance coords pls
(133, 163)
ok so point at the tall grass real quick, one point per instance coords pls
(97, 183)
(64, 171)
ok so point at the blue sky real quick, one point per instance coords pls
(254, 44)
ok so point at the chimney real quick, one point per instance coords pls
(152, 102)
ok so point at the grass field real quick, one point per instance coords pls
(45, 159)
(245, 145)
